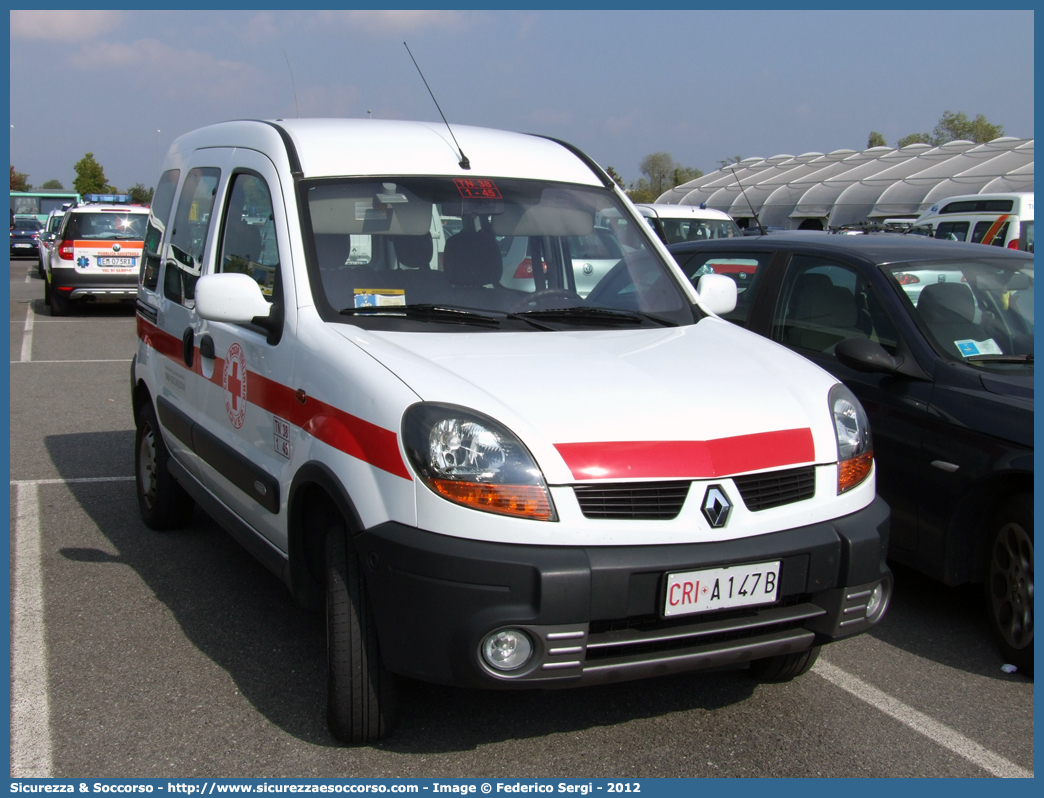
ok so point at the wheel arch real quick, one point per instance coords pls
(969, 525)
(313, 484)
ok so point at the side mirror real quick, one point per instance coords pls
(717, 293)
(862, 354)
(230, 297)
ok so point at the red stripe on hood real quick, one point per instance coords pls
(688, 459)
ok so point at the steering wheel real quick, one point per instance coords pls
(542, 298)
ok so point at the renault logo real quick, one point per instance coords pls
(716, 507)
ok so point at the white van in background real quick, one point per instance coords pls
(677, 223)
(1000, 220)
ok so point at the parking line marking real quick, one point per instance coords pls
(27, 335)
(29, 274)
(72, 481)
(932, 729)
(30, 708)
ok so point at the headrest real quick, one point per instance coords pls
(823, 303)
(946, 303)
(472, 259)
(413, 252)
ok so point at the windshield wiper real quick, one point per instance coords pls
(588, 314)
(426, 312)
(1000, 358)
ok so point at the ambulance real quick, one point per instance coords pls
(486, 485)
(96, 254)
(999, 220)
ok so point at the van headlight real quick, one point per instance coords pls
(472, 460)
(855, 446)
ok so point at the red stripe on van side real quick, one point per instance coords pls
(688, 459)
(352, 435)
(988, 238)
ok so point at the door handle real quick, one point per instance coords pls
(188, 346)
(206, 347)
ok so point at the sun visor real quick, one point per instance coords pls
(366, 209)
(543, 220)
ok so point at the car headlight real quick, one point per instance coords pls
(470, 459)
(855, 446)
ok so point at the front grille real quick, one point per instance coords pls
(762, 491)
(657, 501)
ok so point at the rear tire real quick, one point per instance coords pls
(164, 504)
(784, 667)
(1009, 581)
(59, 304)
(360, 692)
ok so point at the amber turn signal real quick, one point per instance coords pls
(524, 501)
(851, 472)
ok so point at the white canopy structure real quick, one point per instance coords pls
(845, 187)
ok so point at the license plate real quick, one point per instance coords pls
(113, 261)
(721, 588)
(23, 246)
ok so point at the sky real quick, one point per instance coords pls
(700, 85)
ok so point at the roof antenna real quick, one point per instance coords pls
(292, 84)
(754, 212)
(464, 162)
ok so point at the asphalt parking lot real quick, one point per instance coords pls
(145, 654)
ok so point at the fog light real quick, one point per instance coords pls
(507, 650)
(876, 602)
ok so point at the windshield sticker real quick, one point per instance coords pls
(379, 297)
(968, 347)
(477, 189)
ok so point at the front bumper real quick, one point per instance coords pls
(593, 613)
(78, 284)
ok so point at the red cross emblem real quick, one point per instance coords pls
(234, 381)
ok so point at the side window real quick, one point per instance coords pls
(746, 269)
(159, 215)
(952, 231)
(248, 244)
(189, 236)
(982, 228)
(823, 303)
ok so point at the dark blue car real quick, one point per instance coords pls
(25, 233)
(936, 340)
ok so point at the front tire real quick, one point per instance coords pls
(164, 504)
(784, 667)
(1009, 581)
(360, 692)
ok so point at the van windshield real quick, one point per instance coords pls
(410, 253)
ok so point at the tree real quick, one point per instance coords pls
(90, 177)
(683, 174)
(53, 185)
(875, 140)
(657, 166)
(730, 161)
(661, 172)
(955, 126)
(914, 138)
(615, 176)
(140, 195)
(19, 180)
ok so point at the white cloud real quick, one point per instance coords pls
(390, 21)
(197, 75)
(63, 26)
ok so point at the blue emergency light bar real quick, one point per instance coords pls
(112, 199)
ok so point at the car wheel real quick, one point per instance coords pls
(59, 304)
(360, 692)
(784, 667)
(1009, 581)
(164, 504)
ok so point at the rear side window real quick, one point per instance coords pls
(159, 215)
(746, 269)
(989, 232)
(189, 236)
(952, 231)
